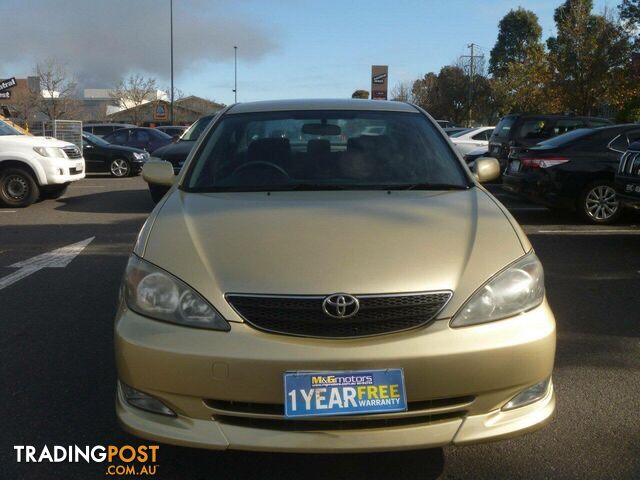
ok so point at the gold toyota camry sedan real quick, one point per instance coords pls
(328, 276)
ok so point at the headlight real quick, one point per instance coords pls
(50, 152)
(518, 288)
(138, 156)
(152, 292)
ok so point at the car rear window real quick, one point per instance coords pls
(533, 128)
(504, 127)
(324, 150)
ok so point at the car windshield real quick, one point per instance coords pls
(194, 131)
(90, 137)
(6, 129)
(566, 137)
(324, 150)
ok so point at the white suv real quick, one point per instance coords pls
(35, 167)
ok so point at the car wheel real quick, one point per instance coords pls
(157, 192)
(54, 191)
(18, 188)
(119, 167)
(599, 203)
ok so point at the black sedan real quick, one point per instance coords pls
(119, 161)
(149, 139)
(176, 153)
(573, 171)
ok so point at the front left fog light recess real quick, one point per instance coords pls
(529, 396)
(141, 400)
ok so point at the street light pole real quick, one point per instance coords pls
(235, 74)
(171, 15)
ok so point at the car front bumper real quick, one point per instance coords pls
(60, 171)
(136, 166)
(220, 384)
(628, 191)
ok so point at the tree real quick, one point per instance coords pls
(453, 89)
(590, 59)
(25, 104)
(445, 96)
(518, 31)
(132, 92)
(425, 92)
(629, 11)
(58, 89)
(364, 94)
(402, 92)
(526, 86)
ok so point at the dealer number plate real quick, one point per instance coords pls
(314, 394)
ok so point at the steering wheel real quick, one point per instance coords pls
(260, 163)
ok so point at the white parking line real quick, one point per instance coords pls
(58, 258)
(7, 211)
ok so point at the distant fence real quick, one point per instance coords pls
(65, 130)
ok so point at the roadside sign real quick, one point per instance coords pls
(5, 95)
(160, 112)
(7, 84)
(379, 82)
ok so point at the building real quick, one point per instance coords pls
(20, 103)
(186, 111)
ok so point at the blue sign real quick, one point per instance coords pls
(314, 394)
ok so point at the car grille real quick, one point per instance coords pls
(304, 316)
(271, 416)
(630, 164)
(72, 152)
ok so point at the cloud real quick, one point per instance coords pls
(101, 41)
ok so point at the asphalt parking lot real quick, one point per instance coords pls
(58, 372)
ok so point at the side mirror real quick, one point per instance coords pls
(158, 173)
(487, 169)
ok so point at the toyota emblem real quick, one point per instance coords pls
(340, 305)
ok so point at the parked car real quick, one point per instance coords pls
(627, 179)
(174, 131)
(148, 139)
(454, 130)
(35, 167)
(119, 161)
(465, 141)
(445, 124)
(573, 171)
(351, 279)
(102, 129)
(523, 130)
(176, 153)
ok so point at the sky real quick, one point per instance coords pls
(286, 48)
